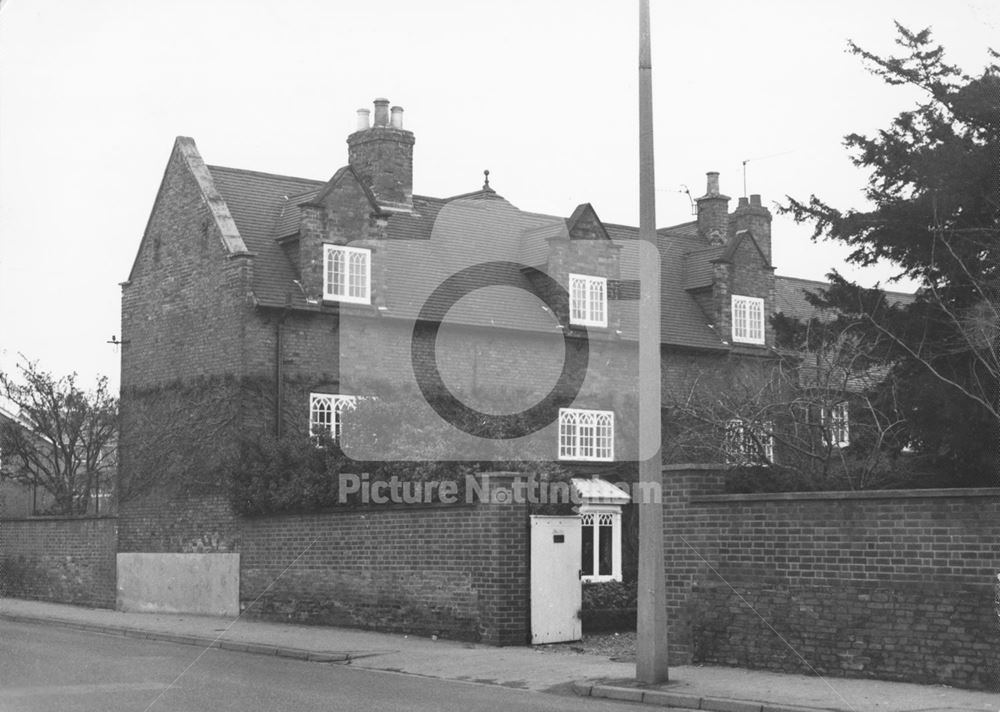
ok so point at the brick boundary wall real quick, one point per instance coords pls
(894, 585)
(60, 559)
(191, 524)
(459, 571)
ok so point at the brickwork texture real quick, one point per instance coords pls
(888, 585)
(66, 560)
(457, 571)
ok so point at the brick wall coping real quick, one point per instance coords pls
(695, 466)
(363, 509)
(847, 495)
(59, 518)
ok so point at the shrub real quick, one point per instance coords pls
(609, 606)
(269, 474)
(609, 594)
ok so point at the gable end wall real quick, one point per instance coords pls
(184, 306)
(184, 313)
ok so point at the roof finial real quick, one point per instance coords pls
(486, 181)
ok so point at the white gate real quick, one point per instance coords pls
(555, 579)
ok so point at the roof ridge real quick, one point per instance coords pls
(265, 174)
(674, 227)
(486, 193)
(621, 225)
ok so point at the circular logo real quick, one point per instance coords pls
(423, 352)
(501, 495)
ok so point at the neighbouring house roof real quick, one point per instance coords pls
(7, 415)
(17, 419)
(790, 298)
(265, 209)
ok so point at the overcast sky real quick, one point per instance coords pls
(543, 93)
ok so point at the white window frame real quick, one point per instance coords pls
(588, 300)
(596, 516)
(354, 285)
(586, 435)
(739, 442)
(326, 411)
(748, 320)
(836, 424)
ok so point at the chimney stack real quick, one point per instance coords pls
(382, 155)
(713, 212)
(753, 216)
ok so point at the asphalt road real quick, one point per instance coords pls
(52, 669)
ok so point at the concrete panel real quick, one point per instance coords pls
(179, 583)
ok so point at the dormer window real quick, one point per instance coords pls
(588, 300)
(748, 320)
(347, 273)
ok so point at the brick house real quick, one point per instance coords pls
(267, 303)
(16, 500)
(19, 499)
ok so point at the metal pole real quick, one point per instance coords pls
(651, 651)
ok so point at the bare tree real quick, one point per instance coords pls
(822, 417)
(64, 438)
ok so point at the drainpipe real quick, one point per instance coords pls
(279, 375)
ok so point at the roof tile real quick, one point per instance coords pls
(444, 235)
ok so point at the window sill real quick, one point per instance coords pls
(737, 342)
(327, 299)
(358, 308)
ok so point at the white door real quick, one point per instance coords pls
(555, 579)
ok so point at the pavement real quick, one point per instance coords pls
(691, 687)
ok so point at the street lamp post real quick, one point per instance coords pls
(651, 651)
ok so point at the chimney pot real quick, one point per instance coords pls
(713, 183)
(363, 123)
(381, 112)
(713, 212)
(755, 200)
(743, 202)
(397, 117)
